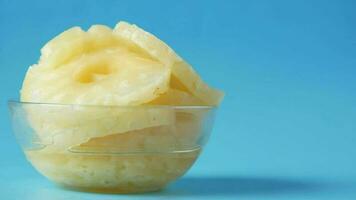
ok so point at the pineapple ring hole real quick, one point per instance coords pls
(92, 73)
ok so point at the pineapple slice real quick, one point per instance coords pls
(100, 37)
(65, 127)
(93, 68)
(114, 71)
(109, 77)
(176, 97)
(181, 71)
(64, 47)
(125, 66)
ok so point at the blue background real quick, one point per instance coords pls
(287, 126)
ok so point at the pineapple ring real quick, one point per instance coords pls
(185, 76)
(96, 68)
(92, 68)
(176, 97)
(108, 77)
(124, 66)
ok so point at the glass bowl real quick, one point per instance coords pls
(113, 149)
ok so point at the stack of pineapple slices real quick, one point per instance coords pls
(126, 66)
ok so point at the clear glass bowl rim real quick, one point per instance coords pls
(197, 107)
(14, 104)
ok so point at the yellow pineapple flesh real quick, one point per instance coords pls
(110, 91)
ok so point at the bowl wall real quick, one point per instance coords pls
(111, 148)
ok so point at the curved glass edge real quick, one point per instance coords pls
(16, 103)
(29, 140)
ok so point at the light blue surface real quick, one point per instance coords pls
(287, 127)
